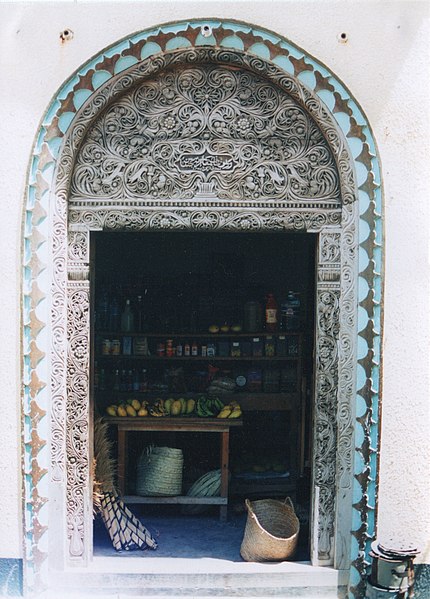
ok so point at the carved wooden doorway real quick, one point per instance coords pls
(217, 140)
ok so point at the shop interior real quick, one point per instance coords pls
(184, 326)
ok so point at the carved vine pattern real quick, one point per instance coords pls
(206, 129)
(77, 440)
(87, 208)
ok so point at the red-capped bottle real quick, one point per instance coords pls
(271, 314)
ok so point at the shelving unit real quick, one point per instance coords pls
(278, 401)
(179, 284)
(183, 425)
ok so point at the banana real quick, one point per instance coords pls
(111, 410)
(235, 413)
(218, 404)
(131, 411)
(191, 404)
(121, 411)
(225, 412)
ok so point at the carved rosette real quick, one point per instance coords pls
(78, 418)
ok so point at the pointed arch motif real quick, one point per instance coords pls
(48, 416)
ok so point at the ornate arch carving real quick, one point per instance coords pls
(195, 143)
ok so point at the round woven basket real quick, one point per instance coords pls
(159, 472)
(271, 531)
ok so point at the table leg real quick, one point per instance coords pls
(122, 453)
(224, 472)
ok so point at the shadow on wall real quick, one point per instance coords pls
(422, 581)
(11, 577)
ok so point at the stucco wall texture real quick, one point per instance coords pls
(384, 63)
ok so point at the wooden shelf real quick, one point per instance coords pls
(196, 358)
(173, 423)
(264, 402)
(200, 335)
(177, 499)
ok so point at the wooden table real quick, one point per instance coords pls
(221, 426)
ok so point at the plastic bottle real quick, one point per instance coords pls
(127, 318)
(252, 317)
(290, 312)
(114, 316)
(140, 324)
(271, 314)
(102, 316)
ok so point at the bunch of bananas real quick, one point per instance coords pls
(158, 410)
(133, 407)
(204, 407)
(207, 407)
(231, 410)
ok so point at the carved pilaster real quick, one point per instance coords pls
(326, 390)
(79, 498)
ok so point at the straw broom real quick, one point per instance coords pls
(125, 530)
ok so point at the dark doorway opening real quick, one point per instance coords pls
(181, 316)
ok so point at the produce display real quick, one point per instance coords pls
(202, 407)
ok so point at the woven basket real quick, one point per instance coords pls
(271, 531)
(159, 472)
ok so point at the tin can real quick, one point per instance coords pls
(106, 347)
(115, 347)
(161, 349)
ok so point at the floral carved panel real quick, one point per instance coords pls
(78, 419)
(206, 130)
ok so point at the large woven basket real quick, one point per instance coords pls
(159, 472)
(271, 531)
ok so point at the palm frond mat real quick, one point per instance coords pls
(125, 530)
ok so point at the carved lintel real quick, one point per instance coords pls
(195, 217)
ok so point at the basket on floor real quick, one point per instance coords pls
(271, 531)
(159, 472)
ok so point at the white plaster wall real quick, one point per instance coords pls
(385, 66)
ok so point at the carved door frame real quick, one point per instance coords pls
(69, 225)
(335, 291)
